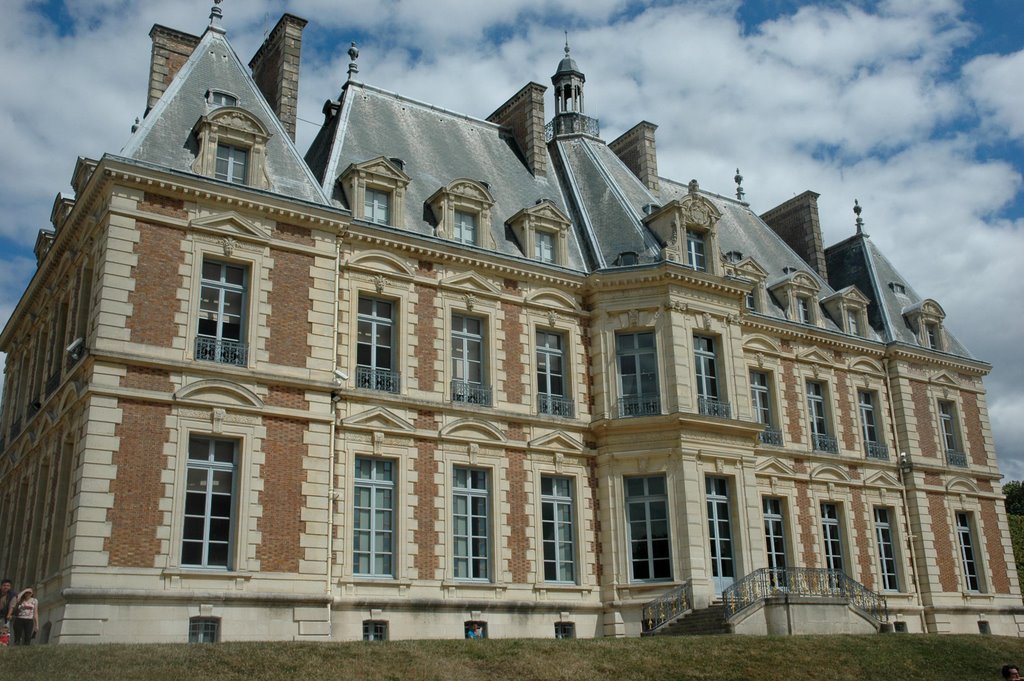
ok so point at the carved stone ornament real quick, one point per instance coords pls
(760, 359)
(217, 420)
(696, 213)
(228, 244)
(559, 458)
(474, 453)
(719, 466)
(552, 317)
(634, 317)
(865, 381)
(774, 484)
(706, 320)
(238, 122)
(816, 370)
(379, 282)
(656, 317)
(470, 301)
(674, 236)
(831, 490)
(733, 318)
(378, 442)
(678, 306)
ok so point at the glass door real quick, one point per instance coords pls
(719, 532)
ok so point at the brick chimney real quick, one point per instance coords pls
(635, 148)
(171, 49)
(796, 221)
(275, 68)
(523, 114)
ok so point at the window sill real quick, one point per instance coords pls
(190, 573)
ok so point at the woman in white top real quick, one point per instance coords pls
(25, 615)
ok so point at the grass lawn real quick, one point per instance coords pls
(889, 657)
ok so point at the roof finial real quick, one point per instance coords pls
(860, 223)
(216, 15)
(739, 185)
(567, 43)
(353, 54)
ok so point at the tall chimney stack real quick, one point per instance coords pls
(275, 68)
(171, 49)
(797, 222)
(523, 114)
(635, 148)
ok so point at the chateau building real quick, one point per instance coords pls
(440, 370)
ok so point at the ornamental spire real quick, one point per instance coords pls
(216, 14)
(353, 54)
(860, 222)
(739, 185)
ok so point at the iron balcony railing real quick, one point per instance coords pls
(956, 458)
(52, 382)
(709, 406)
(772, 436)
(639, 405)
(667, 607)
(556, 405)
(810, 582)
(570, 124)
(471, 393)
(221, 350)
(373, 378)
(877, 450)
(824, 443)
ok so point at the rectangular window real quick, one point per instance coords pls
(203, 630)
(638, 374)
(209, 502)
(719, 532)
(886, 550)
(544, 246)
(374, 346)
(377, 206)
(695, 251)
(932, 332)
(232, 164)
(968, 559)
(852, 326)
(468, 361)
(558, 529)
(565, 630)
(951, 434)
(465, 227)
(551, 376)
(832, 537)
(375, 630)
(222, 295)
(647, 517)
(761, 401)
(803, 310)
(373, 517)
(821, 440)
(774, 533)
(706, 364)
(470, 523)
(750, 301)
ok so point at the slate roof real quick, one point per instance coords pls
(165, 136)
(436, 147)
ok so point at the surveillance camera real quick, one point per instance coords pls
(75, 349)
(340, 375)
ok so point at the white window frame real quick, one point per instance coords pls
(471, 548)
(761, 398)
(888, 566)
(776, 547)
(866, 406)
(706, 367)
(209, 468)
(222, 288)
(696, 250)
(558, 529)
(545, 246)
(377, 205)
(375, 324)
(379, 546)
(832, 536)
(236, 170)
(646, 501)
(969, 563)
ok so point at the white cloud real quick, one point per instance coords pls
(994, 81)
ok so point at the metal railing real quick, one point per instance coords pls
(556, 405)
(709, 406)
(471, 393)
(824, 443)
(571, 123)
(667, 607)
(876, 450)
(222, 351)
(956, 458)
(373, 378)
(767, 582)
(772, 436)
(639, 405)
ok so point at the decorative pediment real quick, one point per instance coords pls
(381, 168)
(866, 364)
(231, 225)
(557, 441)
(962, 485)
(378, 418)
(471, 282)
(802, 280)
(381, 261)
(472, 429)
(238, 120)
(945, 378)
(774, 466)
(217, 391)
(542, 218)
(815, 356)
(748, 267)
(549, 297)
(883, 479)
(696, 210)
(829, 471)
(755, 343)
(470, 190)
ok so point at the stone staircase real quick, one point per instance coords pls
(710, 620)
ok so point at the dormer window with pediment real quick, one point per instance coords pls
(463, 211)
(543, 232)
(798, 293)
(925, 319)
(849, 309)
(376, 190)
(746, 269)
(686, 229)
(232, 147)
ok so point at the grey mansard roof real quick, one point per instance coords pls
(165, 138)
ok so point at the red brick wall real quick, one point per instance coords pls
(517, 519)
(135, 514)
(146, 378)
(592, 520)
(928, 442)
(289, 398)
(973, 434)
(426, 537)
(515, 431)
(294, 234)
(163, 205)
(157, 280)
(865, 544)
(290, 304)
(516, 374)
(792, 396)
(847, 425)
(426, 420)
(426, 354)
(807, 521)
(281, 498)
(947, 554)
(994, 548)
(587, 397)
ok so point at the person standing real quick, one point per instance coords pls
(25, 612)
(6, 600)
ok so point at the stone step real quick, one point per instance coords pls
(708, 621)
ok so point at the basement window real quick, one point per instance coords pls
(204, 630)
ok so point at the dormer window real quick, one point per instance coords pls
(544, 246)
(848, 307)
(898, 288)
(462, 209)
(465, 229)
(925, 319)
(375, 190)
(798, 293)
(803, 310)
(852, 325)
(542, 231)
(695, 250)
(218, 99)
(232, 163)
(232, 147)
(686, 230)
(931, 330)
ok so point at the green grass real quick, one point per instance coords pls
(890, 657)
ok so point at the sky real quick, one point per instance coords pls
(913, 107)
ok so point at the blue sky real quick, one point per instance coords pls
(914, 107)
